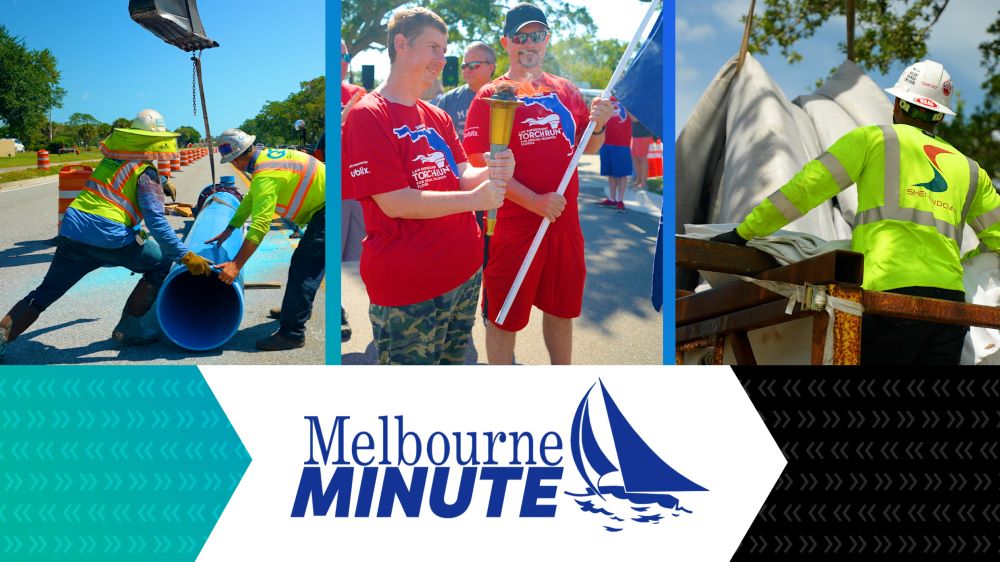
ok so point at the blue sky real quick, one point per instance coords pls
(709, 32)
(112, 67)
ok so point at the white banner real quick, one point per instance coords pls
(473, 463)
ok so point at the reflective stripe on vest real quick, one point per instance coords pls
(127, 155)
(113, 193)
(837, 171)
(306, 172)
(890, 209)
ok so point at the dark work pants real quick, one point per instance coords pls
(304, 277)
(896, 341)
(74, 260)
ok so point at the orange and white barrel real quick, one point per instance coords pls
(72, 180)
(175, 163)
(656, 160)
(43, 159)
(163, 168)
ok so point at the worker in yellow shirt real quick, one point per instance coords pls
(916, 193)
(292, 184)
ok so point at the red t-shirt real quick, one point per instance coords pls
(619, 131)
(390, 147)
(543, 140)
(346, 91)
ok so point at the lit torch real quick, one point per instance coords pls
(502, 107)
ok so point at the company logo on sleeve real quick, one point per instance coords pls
(383, 468)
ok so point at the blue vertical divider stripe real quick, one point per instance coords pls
(333, 169)
(112, 463)
(669, 182)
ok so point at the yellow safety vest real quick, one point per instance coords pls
(110, 192)
(915, 194)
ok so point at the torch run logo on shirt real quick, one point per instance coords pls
(558, 123)
(440, 153)
(361, 468)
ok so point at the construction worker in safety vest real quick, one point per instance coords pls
(103, 227)
(293, 185)
(916, 193)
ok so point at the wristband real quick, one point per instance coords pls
(601, 132)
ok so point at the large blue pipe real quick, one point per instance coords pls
(201, 312)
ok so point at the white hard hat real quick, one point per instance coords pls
(149, 120)
(234, 142)
(925, 84)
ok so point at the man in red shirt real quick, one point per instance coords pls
(616, 156)
(546, 132)
(422, 256)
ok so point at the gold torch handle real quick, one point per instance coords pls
(491, 215)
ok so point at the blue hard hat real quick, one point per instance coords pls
(227, 180)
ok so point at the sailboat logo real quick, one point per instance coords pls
(631, 485)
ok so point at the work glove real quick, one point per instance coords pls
(196, 264)
(170, 190)
(731, 237)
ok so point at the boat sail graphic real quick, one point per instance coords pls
(642, 470)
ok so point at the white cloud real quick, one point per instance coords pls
(85, 95)
(683, 73)
(730, 12)
(687, 32)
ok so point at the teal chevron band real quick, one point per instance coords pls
(112, 463)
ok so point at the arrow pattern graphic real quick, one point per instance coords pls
(879, 467)
(112, 463)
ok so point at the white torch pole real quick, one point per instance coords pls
(542, 228)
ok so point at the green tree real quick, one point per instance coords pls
(274, 124)
(585, 59)
(364, 21)
(887, 30)
(188, 135)
(85, 126)
(29, 88)
(121, 123)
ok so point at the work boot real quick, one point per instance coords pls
(275, 313)
(15, 323)
(345, 326)
(141, 300)
(136, 330)
(278, 342)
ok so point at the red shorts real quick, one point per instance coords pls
(640, 146)
(554, 282)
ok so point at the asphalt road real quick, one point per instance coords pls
(619, 325)
(77, 328)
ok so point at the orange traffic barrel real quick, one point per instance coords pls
(72, 180)
(43, 159)
(163, 168)
(656, 160)
(185, 159)
(175, 163)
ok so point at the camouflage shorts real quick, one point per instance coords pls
(433, 332)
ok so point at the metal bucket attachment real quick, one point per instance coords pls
(175, 21)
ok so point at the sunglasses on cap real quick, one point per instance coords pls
(346, 57)
(535, 36)
(473, 65)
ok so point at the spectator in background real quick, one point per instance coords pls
(641, 139)
(478, 65)
(616, 157)
(352, 220)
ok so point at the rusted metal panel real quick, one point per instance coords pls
(723, 258)
(745, 320)
(720, 350)
(846, 328)
(931, 310)
(833, 267)
(741, 348)
(820, 324)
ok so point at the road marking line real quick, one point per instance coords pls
(47, 181)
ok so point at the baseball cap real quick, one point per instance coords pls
(521, 15)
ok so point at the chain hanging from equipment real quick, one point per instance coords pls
(196, 77)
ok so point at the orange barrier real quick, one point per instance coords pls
(163, 168)
(656, 160)
(43, 159)
(175, 163)
(72, 180)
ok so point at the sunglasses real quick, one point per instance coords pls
(535, 36)
(473, 65)
(346, 57)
